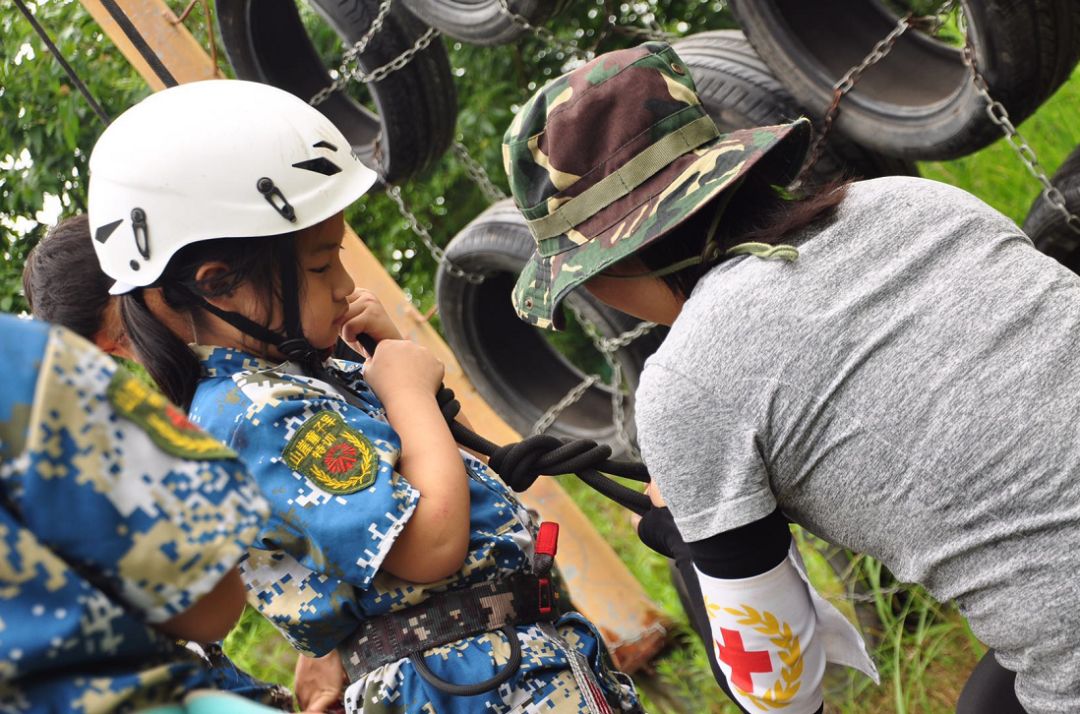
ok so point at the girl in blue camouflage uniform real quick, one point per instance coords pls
(386, 543)
(120, 528)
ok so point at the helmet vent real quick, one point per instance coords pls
(103, 232)
(324, 144)
(275, 198)
(321, 165)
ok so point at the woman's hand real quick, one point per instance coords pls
(367, 316)
(654, 495)
(320, 683)
(400, 368)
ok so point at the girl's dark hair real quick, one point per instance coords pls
(757, 212)
(62, 279)
(171, 364)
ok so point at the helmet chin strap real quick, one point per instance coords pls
(291, 342)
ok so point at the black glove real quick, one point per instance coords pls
(657, 530)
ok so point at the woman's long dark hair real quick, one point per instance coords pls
(168, 360)
(758, 213)
(63, 282)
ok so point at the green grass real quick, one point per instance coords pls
(925, 649)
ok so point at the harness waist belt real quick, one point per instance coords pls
(445, 618)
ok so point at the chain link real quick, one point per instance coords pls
(545, 34)
(394, 192)
(572, 396)
(1000, 116)
(573, 48)
(845, 84)
(608, 347)
(350, 70)
(477, 173)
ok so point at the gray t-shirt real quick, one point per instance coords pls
(908, 388)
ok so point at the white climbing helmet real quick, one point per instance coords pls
(213, 159)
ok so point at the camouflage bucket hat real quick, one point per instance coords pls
(610, 156)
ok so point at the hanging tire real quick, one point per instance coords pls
(738, 91)
(484, 22)
(919, 102)
(514, 365)
(1046, 226)
(415, 106)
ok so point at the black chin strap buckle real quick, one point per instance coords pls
(298, 349)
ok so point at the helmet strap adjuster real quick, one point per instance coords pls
(275, 198)
(141, 234)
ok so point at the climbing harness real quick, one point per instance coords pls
(487, 607)
(522, 599)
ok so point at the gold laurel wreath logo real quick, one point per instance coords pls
(368, 457)
(780, 694)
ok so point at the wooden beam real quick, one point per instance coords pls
(600, 585)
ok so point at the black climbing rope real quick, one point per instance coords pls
(521, 463)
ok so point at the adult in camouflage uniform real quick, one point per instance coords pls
(116, 516)
(336, 461)
(901, 380)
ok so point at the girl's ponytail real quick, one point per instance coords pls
(171, 363)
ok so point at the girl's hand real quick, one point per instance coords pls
(401, 367)
(367, 316)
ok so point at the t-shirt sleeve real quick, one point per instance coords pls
(121, 486)
(703, 455)
(327, 469)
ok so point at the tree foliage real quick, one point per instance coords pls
(49, 129)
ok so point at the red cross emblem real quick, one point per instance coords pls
(742, 663)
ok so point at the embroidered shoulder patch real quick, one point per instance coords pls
(337, 457)
(165, 424)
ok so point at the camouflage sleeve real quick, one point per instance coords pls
(121, 486)
(327, 469)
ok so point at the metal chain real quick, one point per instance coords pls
(545, 34)
(549, 417)
(608, 347)
(394, 192)
(1000, 116)
(573, 48)
(845, 84)
(352, 54)
(350, 70)
(477, 173)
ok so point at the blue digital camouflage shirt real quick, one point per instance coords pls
(115, 513)
(338, 505)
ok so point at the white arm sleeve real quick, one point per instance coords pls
(772, 635)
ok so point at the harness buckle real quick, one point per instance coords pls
(547, 544)
(546, 601)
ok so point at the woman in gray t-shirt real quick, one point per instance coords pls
(889, 363)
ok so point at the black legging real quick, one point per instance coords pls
(989, 689)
